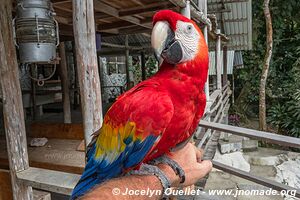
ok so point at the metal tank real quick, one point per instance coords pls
(36, 31)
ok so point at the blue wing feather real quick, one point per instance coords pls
(97, 171)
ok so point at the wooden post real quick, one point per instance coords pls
(33, 95)
(202, 4)
(143, 65)
(76, 102)
(225, 76)
(63, 72)
(88, 75)
(218, 60)
(233, 89)
(127, 62)
(12, 105)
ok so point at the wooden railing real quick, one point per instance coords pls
(61, 182)
(259, 135)
(208, 132)
(216, 108)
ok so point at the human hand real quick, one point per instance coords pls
(189, 158)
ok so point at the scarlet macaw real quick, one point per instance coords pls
(157, 114)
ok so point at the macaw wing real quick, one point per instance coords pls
(131, 128)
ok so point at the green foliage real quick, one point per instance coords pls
(136, 69)
(286, 113)
(151, 66)
(283, 95)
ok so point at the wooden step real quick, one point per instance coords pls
(6, 191)
(57, 154)
(49, 180)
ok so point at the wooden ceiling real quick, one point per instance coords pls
(113, 17)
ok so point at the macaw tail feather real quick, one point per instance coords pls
(98, 171)
(91, 176)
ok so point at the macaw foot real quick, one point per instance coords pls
(146, 169)
(173, 164)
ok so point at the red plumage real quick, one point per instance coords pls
(171, 102)
(152, 117)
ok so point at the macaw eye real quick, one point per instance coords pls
(189, 28)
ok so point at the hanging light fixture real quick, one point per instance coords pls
(36, 33)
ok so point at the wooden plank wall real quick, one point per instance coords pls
(57, 131)
(5, 185)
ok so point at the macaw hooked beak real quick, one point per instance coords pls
(164, 44)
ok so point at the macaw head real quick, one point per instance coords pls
(177, 39)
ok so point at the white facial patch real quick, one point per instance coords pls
(188, 37)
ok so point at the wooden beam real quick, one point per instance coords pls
(101, 15)
(114, 25)
(250, 133)
(67, 7)
(102, 7)
(110, 27)
(120, 46)
(256, 179)
(134, 30)
(111, 31)
(49, 180)
(118, 52)
(57, 2)
(12, 104)
(63, 20)
(146, 9)
(87, 66)
(147, 20)
(138, 2)
(63, 73)
(62, 13)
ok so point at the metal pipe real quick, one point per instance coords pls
(186, 11)
(218, 60)
(202, 6)
(195, 13)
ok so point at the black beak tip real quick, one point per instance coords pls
(157, 57)
(173, 53)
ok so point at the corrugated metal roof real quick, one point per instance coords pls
(238, 60)
(237, 19)
(138, 40)
(212, 62)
